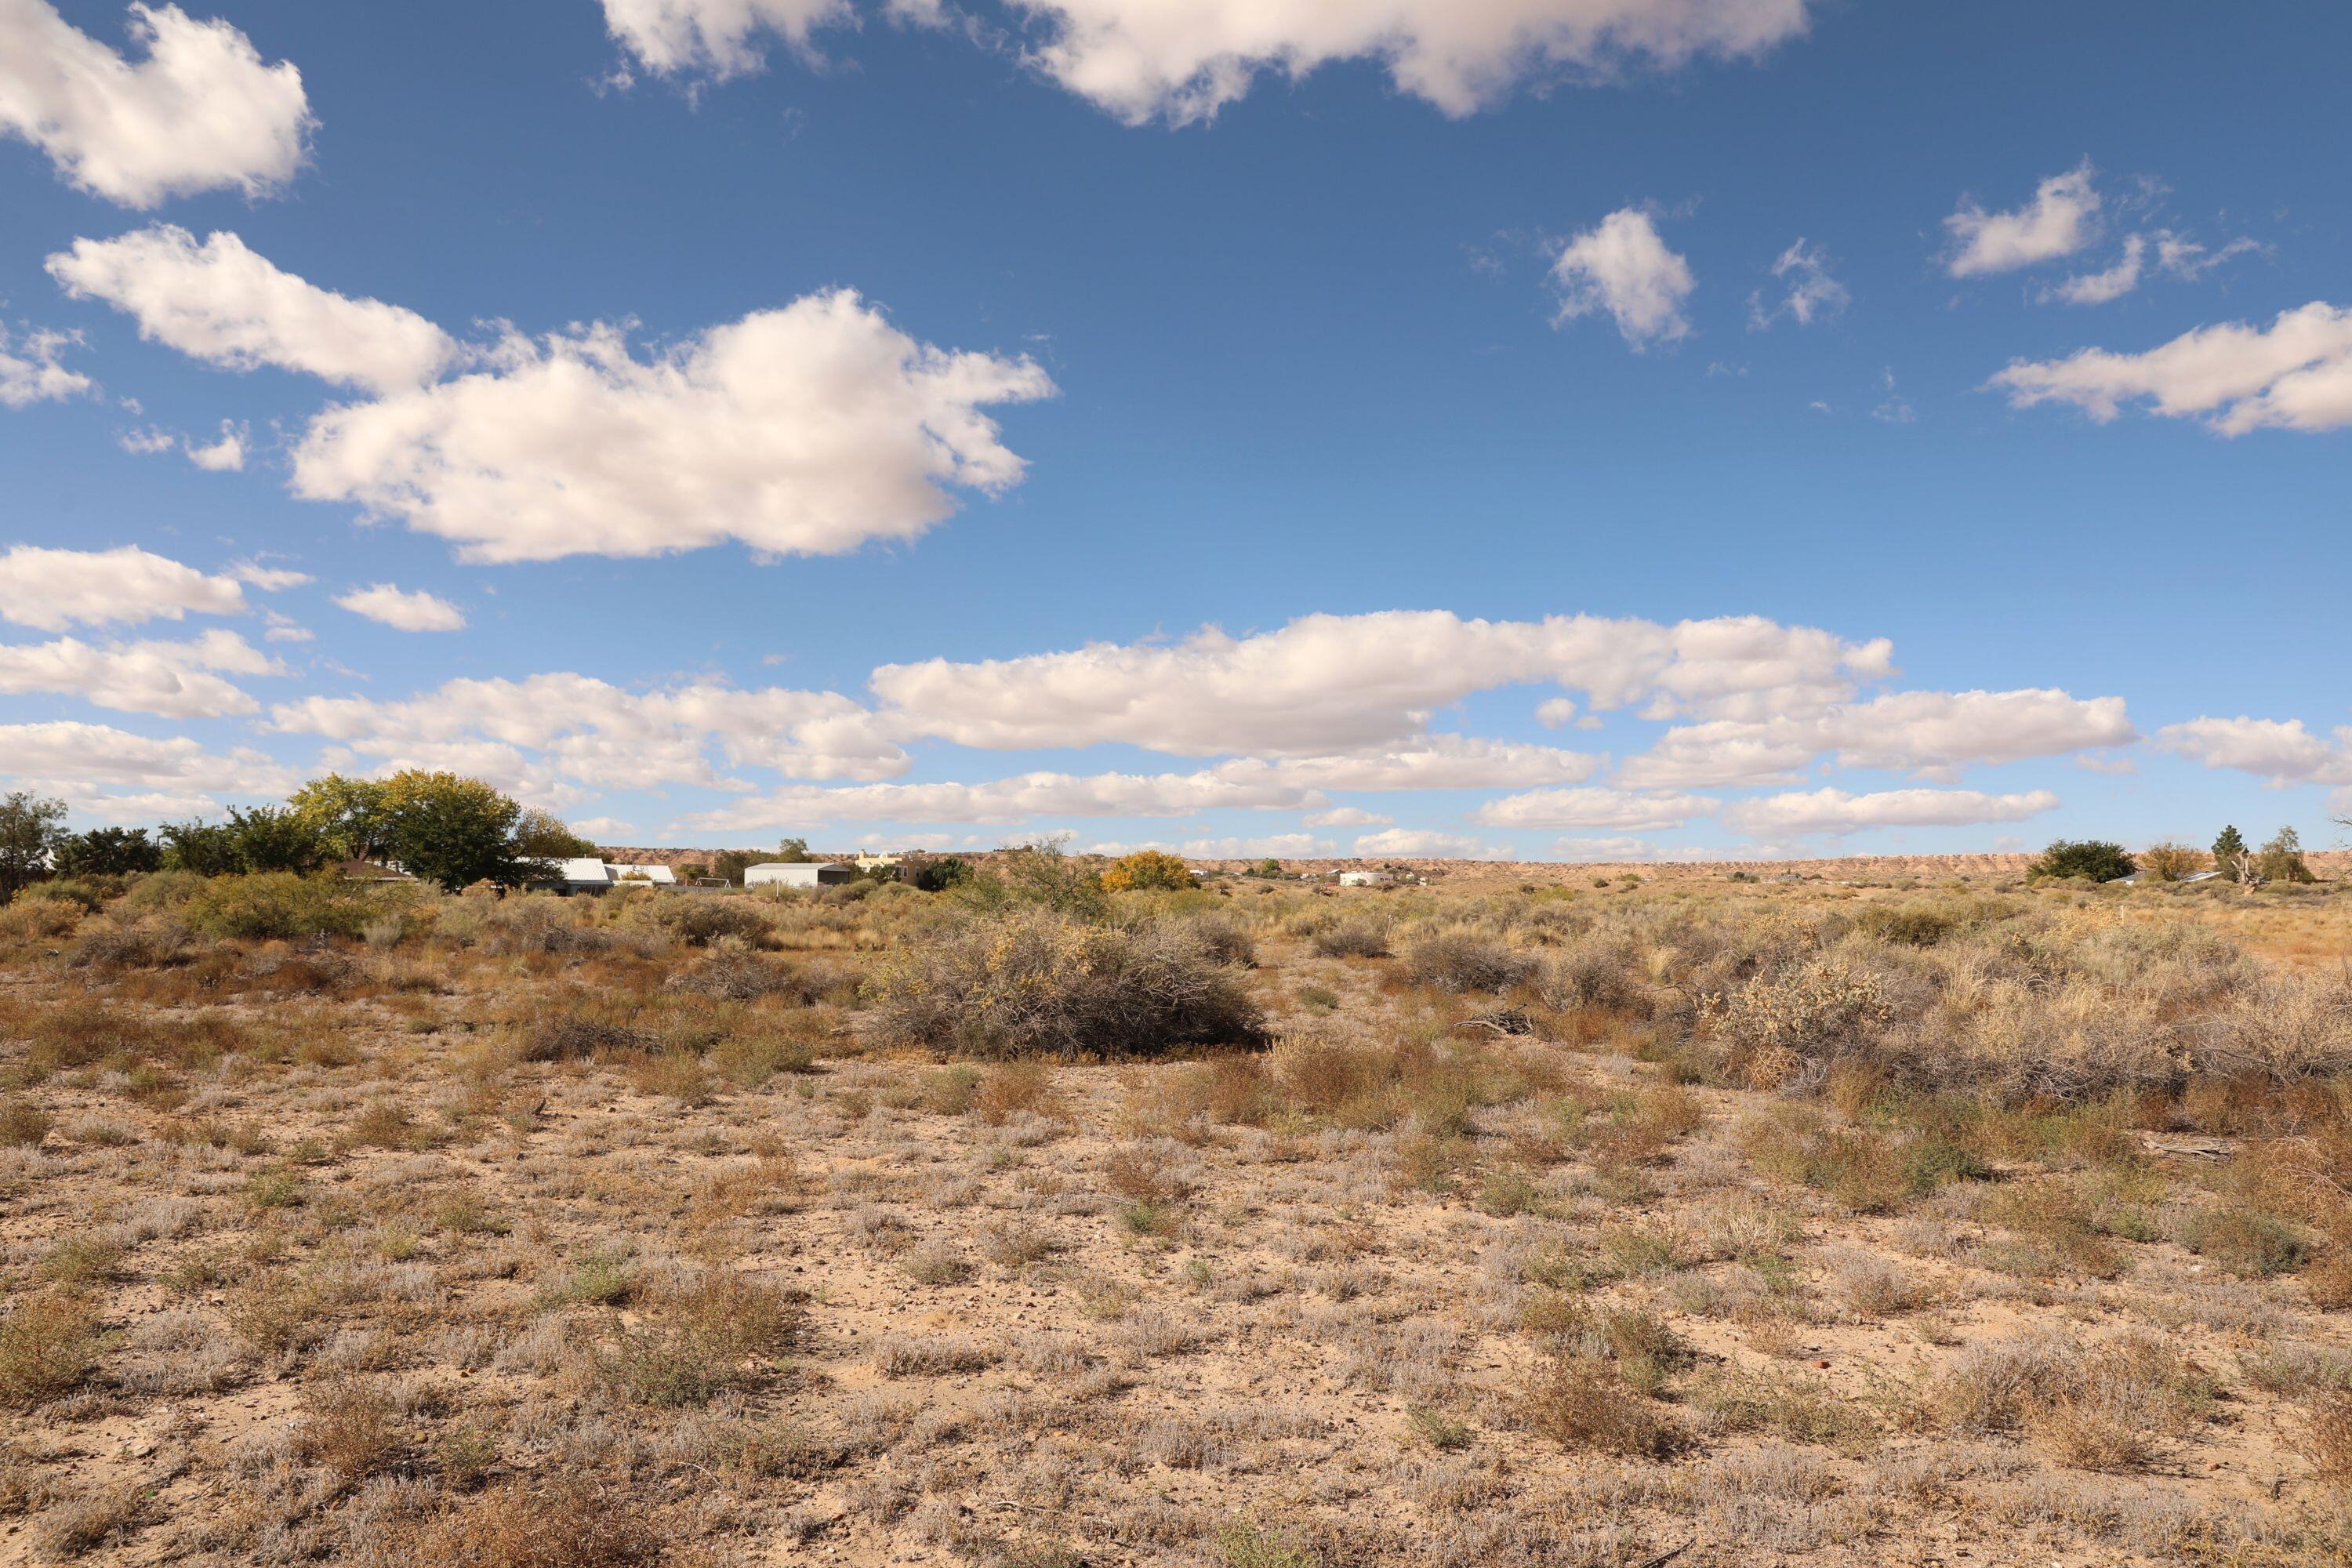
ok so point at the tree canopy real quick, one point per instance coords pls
(2092, 857)
(30, 827)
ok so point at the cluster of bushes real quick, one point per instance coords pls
(1038, 980)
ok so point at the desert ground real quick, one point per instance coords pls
(1907, 1215)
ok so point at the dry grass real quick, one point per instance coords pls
(1814, 1223)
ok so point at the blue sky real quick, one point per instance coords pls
(942, 424)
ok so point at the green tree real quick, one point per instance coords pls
(543, 836)
(731, 865)
(2281, 860)
(208, 848)
(2092, 857)
(106, 852)
(794, 852)
(2229, 852)
(934, 873)
(351, 815)
(271, 838)
(451, 830)
(29, 829)
(1268, 868)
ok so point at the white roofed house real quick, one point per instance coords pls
(799, 874)
(1367, 879)
(588, 874)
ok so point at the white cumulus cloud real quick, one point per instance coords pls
(2281, 750)
(75, 759)
(1181, 60)
(169, 680)
(2295, 374)
(715, 38)
(1336, 684)
(200, 111)
(1414, 843)
(1931, 734)
(1592, 807)
(1836, 811)
(50, 590)
(2060, 220)
(30, 373)
(404, 609)
(808, 430)
(221, 302)
(2112, 283)
(224, 456)
(1623, 267)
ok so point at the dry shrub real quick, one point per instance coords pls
(575, 1036)
(695, 1337)
(2246, 1241)
(140, 944)
(348, 1425)
(2114, 1406)
(1031, 981)
(512, 1526)
(2329, 1439)
(698, 921)
(1013, 1087)
(23, 1124)
(1582, 1402)
(1459, 961)
(1142, 1176)
(48, 1343)
(1808, 1014)
(733, 972)
(1353, 939)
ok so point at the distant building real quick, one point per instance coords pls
(590, 875)
(1367, 879)
(799, 874)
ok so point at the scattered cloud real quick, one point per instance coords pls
(2061, 220)
(577, 727)
(402, 609)
(2181, 257)
(29, 371)
(1605, 850)
(72, 759)
(718, 39)
(1621, 267)
(1276, 845)
(1809, 293)
(1929, 733)
(2295, 374)
(1146, 59)
(2279, 750)
(169, 680)
(1335, 684)
(808, 430)
(1346, 816)
(222, 303)
(1892, 407)
(1418, 844)
(200, 112)
(269, 579)
(1836, 812)
(812, 429)
(1592, 807)
(225, 456)
(1022, 798)
(2098, 287)
(50, 590)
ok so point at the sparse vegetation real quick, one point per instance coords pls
(396, 1226)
